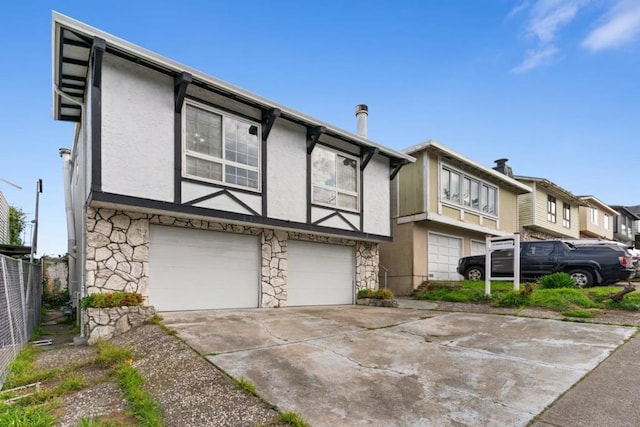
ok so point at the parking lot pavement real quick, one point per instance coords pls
(354, 365)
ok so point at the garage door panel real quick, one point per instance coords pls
(319, 274)
(199, 270)
(444, 253)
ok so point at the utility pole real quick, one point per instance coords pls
(34, 241)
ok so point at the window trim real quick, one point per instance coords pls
(338, 191)
(472, 179)
(223, 161)
(594, 215)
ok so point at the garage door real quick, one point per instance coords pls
(478, 247)
(199, 270)
(319, 274)
(444, 253)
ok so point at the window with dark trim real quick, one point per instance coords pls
(566, 215)
(220, 148)
(551, 209)
(334, 179)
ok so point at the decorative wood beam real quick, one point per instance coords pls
(98, 48)
(367, 155)
(268, 119)
(397, 165)
(313, 134)
(181, 82)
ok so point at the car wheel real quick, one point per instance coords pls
(474, 273)
(583, 278)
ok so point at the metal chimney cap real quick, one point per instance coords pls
(362, 108)
(64, 151)
(502, 161)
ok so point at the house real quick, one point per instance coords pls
(624, 225)
(548, 212)
(636, 229)
(596, 219)
(201, 195)
(444, 206)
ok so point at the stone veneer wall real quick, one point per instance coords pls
(118, 253)
(106, 323)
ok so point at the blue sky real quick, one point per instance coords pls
(553, 85)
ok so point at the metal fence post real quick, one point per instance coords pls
(22, 297)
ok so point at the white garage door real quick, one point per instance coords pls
(478, 247)
(199, 270)
(319, 274)
(444, 253)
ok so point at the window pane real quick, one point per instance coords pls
(492, 200)
(475, 201)
(446, 182)
(455, 187)
(324, 167)
(239, 142)
(204, 168)
(484, 197)
(466, 189)
(346, 173)
(347, 201)
(322, 195)
(203, 133)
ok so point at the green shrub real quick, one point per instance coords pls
(560, 299)
(511, 299)
(384, 293)
(111, 299)
(557, 280)
(55, 299)
(365, 293)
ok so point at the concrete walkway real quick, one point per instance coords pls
(354, 365)
(608, 396)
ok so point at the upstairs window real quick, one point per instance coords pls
(594, 215)
(566, 215)
(606, 222)
(334, 179)
(551, 209)
(221, 148)
(467, 191)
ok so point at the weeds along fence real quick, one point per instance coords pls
(20, 302)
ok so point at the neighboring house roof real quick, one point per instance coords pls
(592, 200)
(73, 44)
(624, 210)
(635, 209)
(482, 170)
(552, 188)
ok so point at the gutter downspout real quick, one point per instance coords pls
(71, 226)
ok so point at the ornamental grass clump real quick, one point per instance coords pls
(112, 299)
(557, 280)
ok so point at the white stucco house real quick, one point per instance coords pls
(201, 195)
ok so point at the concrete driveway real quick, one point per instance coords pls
(355, 365)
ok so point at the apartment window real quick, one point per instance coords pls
(463, 190)
(221, 148)
(594, 215)
(551, 209)
(566, 215)
(334, 179)
(606, 222)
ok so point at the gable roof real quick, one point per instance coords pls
(477, 167)
(73, 43)
(592, 200)
(624, 210)
(552, 188)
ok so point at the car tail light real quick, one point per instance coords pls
(623, 261)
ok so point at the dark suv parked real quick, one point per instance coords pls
(588, 265)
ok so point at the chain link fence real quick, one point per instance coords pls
(20, 302)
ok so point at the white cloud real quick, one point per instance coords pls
(518, 9)
(537, 58)
(549, 16)
(621, 26)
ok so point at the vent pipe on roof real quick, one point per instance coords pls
(362, 112)
(502, 167)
